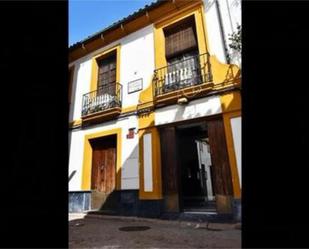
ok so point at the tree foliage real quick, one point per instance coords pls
(235, 39)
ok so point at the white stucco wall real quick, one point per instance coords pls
(80, 85)
(216, 45)
(129, 153)
(236, 131)
(230, 16)
(136, 61)
(194, 109)
(147, 145)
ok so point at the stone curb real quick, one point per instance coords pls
(221, 226)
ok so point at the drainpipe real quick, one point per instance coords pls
(222, 33)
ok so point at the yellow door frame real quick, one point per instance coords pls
(87, 160)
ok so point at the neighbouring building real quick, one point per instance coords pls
(155, 113)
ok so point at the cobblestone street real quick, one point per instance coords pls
(111, 232)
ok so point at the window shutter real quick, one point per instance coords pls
(179, 39)
(107, 71)
(107, 75)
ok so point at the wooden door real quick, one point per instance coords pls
(219, 157)
(170, 173)
(169, 160)
(103, 165)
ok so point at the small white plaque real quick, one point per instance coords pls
(135, 86)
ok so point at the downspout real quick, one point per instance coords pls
(222, 32)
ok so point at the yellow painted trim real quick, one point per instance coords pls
(146, 120)
(146, 96)
(231, 151)
(204, 26)
(129, 109)
(74, 123)
(231, 101)
(199, 16)
(224, 73)
(87, 160)
(159, 39)
(94, 71)
(231, 107)
(172, 14)
(156, 165)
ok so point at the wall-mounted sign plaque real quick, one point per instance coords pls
(135, 85)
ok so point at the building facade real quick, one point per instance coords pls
(155, 113)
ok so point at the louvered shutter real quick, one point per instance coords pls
(180, 38)
(107, 75)
(107, 71)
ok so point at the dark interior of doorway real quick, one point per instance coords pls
(193, 193)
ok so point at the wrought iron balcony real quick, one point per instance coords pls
(104, 98)
(193, 70)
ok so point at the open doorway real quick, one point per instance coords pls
(196, 174)
(195, 166)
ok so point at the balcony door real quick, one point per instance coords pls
(106, 86)
(107, 70)
(182, 56)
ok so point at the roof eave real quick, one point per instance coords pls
(116, 25)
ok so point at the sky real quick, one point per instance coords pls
(87, 17)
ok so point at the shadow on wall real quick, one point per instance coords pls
(72, 174)
(231, 77)
(120, 202)
(125, 201)
(231, 103)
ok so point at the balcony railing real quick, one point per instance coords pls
(104, 98)
(191, 71)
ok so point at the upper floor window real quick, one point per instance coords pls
(181, 52)
(107, 75)
(108, 92)
(107, 70)
(180, 38)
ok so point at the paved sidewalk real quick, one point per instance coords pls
(97, 231)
